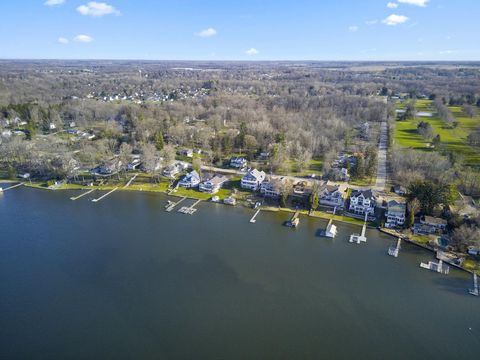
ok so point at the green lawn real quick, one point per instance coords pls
(314, 167)
(455, 139)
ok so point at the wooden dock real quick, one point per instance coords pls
(105, 195)
(12, 187)
(172, 205)
(73, 198)
(475, 291)
(190, 210)
(294, 220)
(252, 220)
(394, 250)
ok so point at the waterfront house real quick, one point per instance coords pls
(362, 202)
(332, 195)
(436, 224)
(213, 185)
(191, 180)
(272, 187)
(395, 215)
(252, 180)
(238, 162)
(430, 225)
(301, 191)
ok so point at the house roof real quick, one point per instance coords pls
(368, 194)
(256, 174)
(434, 220)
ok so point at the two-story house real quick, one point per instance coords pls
(362, 202)
(191, 180)
(213, 185)
(253, 179)
(272, 187)
(395, 215)
(332, 195)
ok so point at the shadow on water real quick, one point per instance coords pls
(453, 285)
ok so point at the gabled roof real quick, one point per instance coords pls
(368, 194)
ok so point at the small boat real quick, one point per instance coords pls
(215, 199)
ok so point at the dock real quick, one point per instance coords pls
(475, 291)
(331, 229)
(294, 220)
(171, 205)
(130, 181)
(105, 195)
(436, 267)
(12, 187)
(190, 210)
(394, 250)
(359, 238)
(252, 220)
(73, 198)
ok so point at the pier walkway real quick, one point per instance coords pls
(294, 220)
(130, 181)
(73, 198)
(170, 206)
(190, 210)
(105, 195)
(11, 187)
(394, 250)
(252, 220)
(475, 291)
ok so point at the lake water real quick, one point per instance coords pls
(123, 279)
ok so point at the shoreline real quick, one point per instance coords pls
(191, 194)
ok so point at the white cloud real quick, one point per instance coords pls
(97, 9)
(421, 3)
(53, 2)
(371, 22)
(393, 20)
(252, 51)
(392, 5)
(83, 38)
(63, 40)
(207, 33)
(353, 28)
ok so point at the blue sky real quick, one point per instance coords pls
(241, 29)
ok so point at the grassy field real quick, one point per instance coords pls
(314, 167)
(454, 139)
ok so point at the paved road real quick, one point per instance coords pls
(382, 158)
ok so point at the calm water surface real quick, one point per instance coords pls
(123, 279)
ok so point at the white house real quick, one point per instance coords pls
(252, 180)
(332, 195)
(191, 180)
(213, 185)
(362, 202)
(238, 162)
(395, 215)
